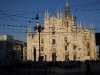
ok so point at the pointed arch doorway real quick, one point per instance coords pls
(74, 57)
(54, 57)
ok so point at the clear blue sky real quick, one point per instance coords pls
(16, 14)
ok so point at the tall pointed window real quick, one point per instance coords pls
(67, 23)
(53, 41)
(65, 39)
(65, 47)
(53, 30)
(87, 45)
(42, 40)
(42, 48)
(66, 57)
(74, 47)
(88, 53)
(74, 57)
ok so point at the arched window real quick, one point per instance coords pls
(74, 57)
(88, 53)
(65, 39)
(67, 24)
(53, 30)
(74, 47)
(65, 47)
(87, 45)
(42, 48)
(42, 40)
(66, 57)
(54, 57)
(53, 41)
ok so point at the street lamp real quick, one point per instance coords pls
(39, 28)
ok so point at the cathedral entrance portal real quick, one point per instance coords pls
(53, 57)
(74, 57)
(66, 58)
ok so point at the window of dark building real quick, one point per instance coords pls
(1, 44)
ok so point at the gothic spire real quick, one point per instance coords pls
(45, 14)
(29, 28)
(60, 13)
(57, 14)
(84, 26)
(66, 2)
(77, 26)
(77, 23)
(80, 25)
(29, 31)
(92, 26)
(72, 17)
(67, 10)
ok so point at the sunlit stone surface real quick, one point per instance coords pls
(62, 39)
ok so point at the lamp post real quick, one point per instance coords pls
(39, 28)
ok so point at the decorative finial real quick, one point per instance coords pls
(72, 16)
(84, 26)
(60, 10)
(29, 28)
(92, 26)
(80, 25)
(57, 14)
(47, 15)
(77, 23)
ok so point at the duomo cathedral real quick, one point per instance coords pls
(62, 39)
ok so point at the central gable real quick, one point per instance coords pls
(53, 19)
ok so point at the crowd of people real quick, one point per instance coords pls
(48, 65)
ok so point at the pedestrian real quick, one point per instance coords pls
(88, 68)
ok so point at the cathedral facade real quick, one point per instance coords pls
(62, 39)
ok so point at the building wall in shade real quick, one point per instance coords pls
(6, 46)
